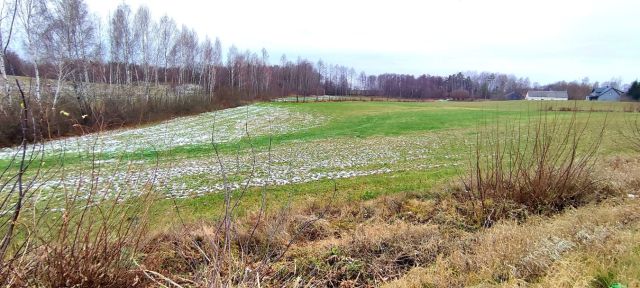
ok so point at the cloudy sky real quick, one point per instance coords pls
(546, 40)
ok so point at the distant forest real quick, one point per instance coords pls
(82, 71)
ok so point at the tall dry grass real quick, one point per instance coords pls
(573, 249)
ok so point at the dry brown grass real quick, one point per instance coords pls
(363, 244)
(370, 255)
(622, 174)
(571, 249)
(428, 236)
(403, 240)
(188, 254)
(543, 251)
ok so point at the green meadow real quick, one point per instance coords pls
(427, 144)
(344, 150)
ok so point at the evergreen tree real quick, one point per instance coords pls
(634, 90)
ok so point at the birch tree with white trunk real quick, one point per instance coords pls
(33, 16)
(7, 18)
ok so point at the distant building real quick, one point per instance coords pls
(547, 95)
(605, 94)
(512, 96)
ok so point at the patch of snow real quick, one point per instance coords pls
(218, 126)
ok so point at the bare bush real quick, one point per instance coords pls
(89, 237)
(540, 167)
(81, 233)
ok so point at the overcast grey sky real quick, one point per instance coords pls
(546, 40)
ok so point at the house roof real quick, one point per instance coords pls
(602, 90)
(548, 94)
(512, 95)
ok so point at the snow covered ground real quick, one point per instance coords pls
(220, 126)
(296, 162)
(288, 163)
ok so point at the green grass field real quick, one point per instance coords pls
(303, 150)
(452, 126)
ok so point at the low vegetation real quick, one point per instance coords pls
(541, 167)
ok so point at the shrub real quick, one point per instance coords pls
(76, 233)
(540, 167)
(90, 241)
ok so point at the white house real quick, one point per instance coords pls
(547, 95)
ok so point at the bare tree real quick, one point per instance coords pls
(185, 52)
(33, 15)
(206, 63)
(54, 53)
(352, 78)
(166, 37)
(7, 19)
(362, 80)
(141, 29)
(216, 63)
(322, 78)
(73, 34)
(232, 58)
(122, 41)
(265, 72)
